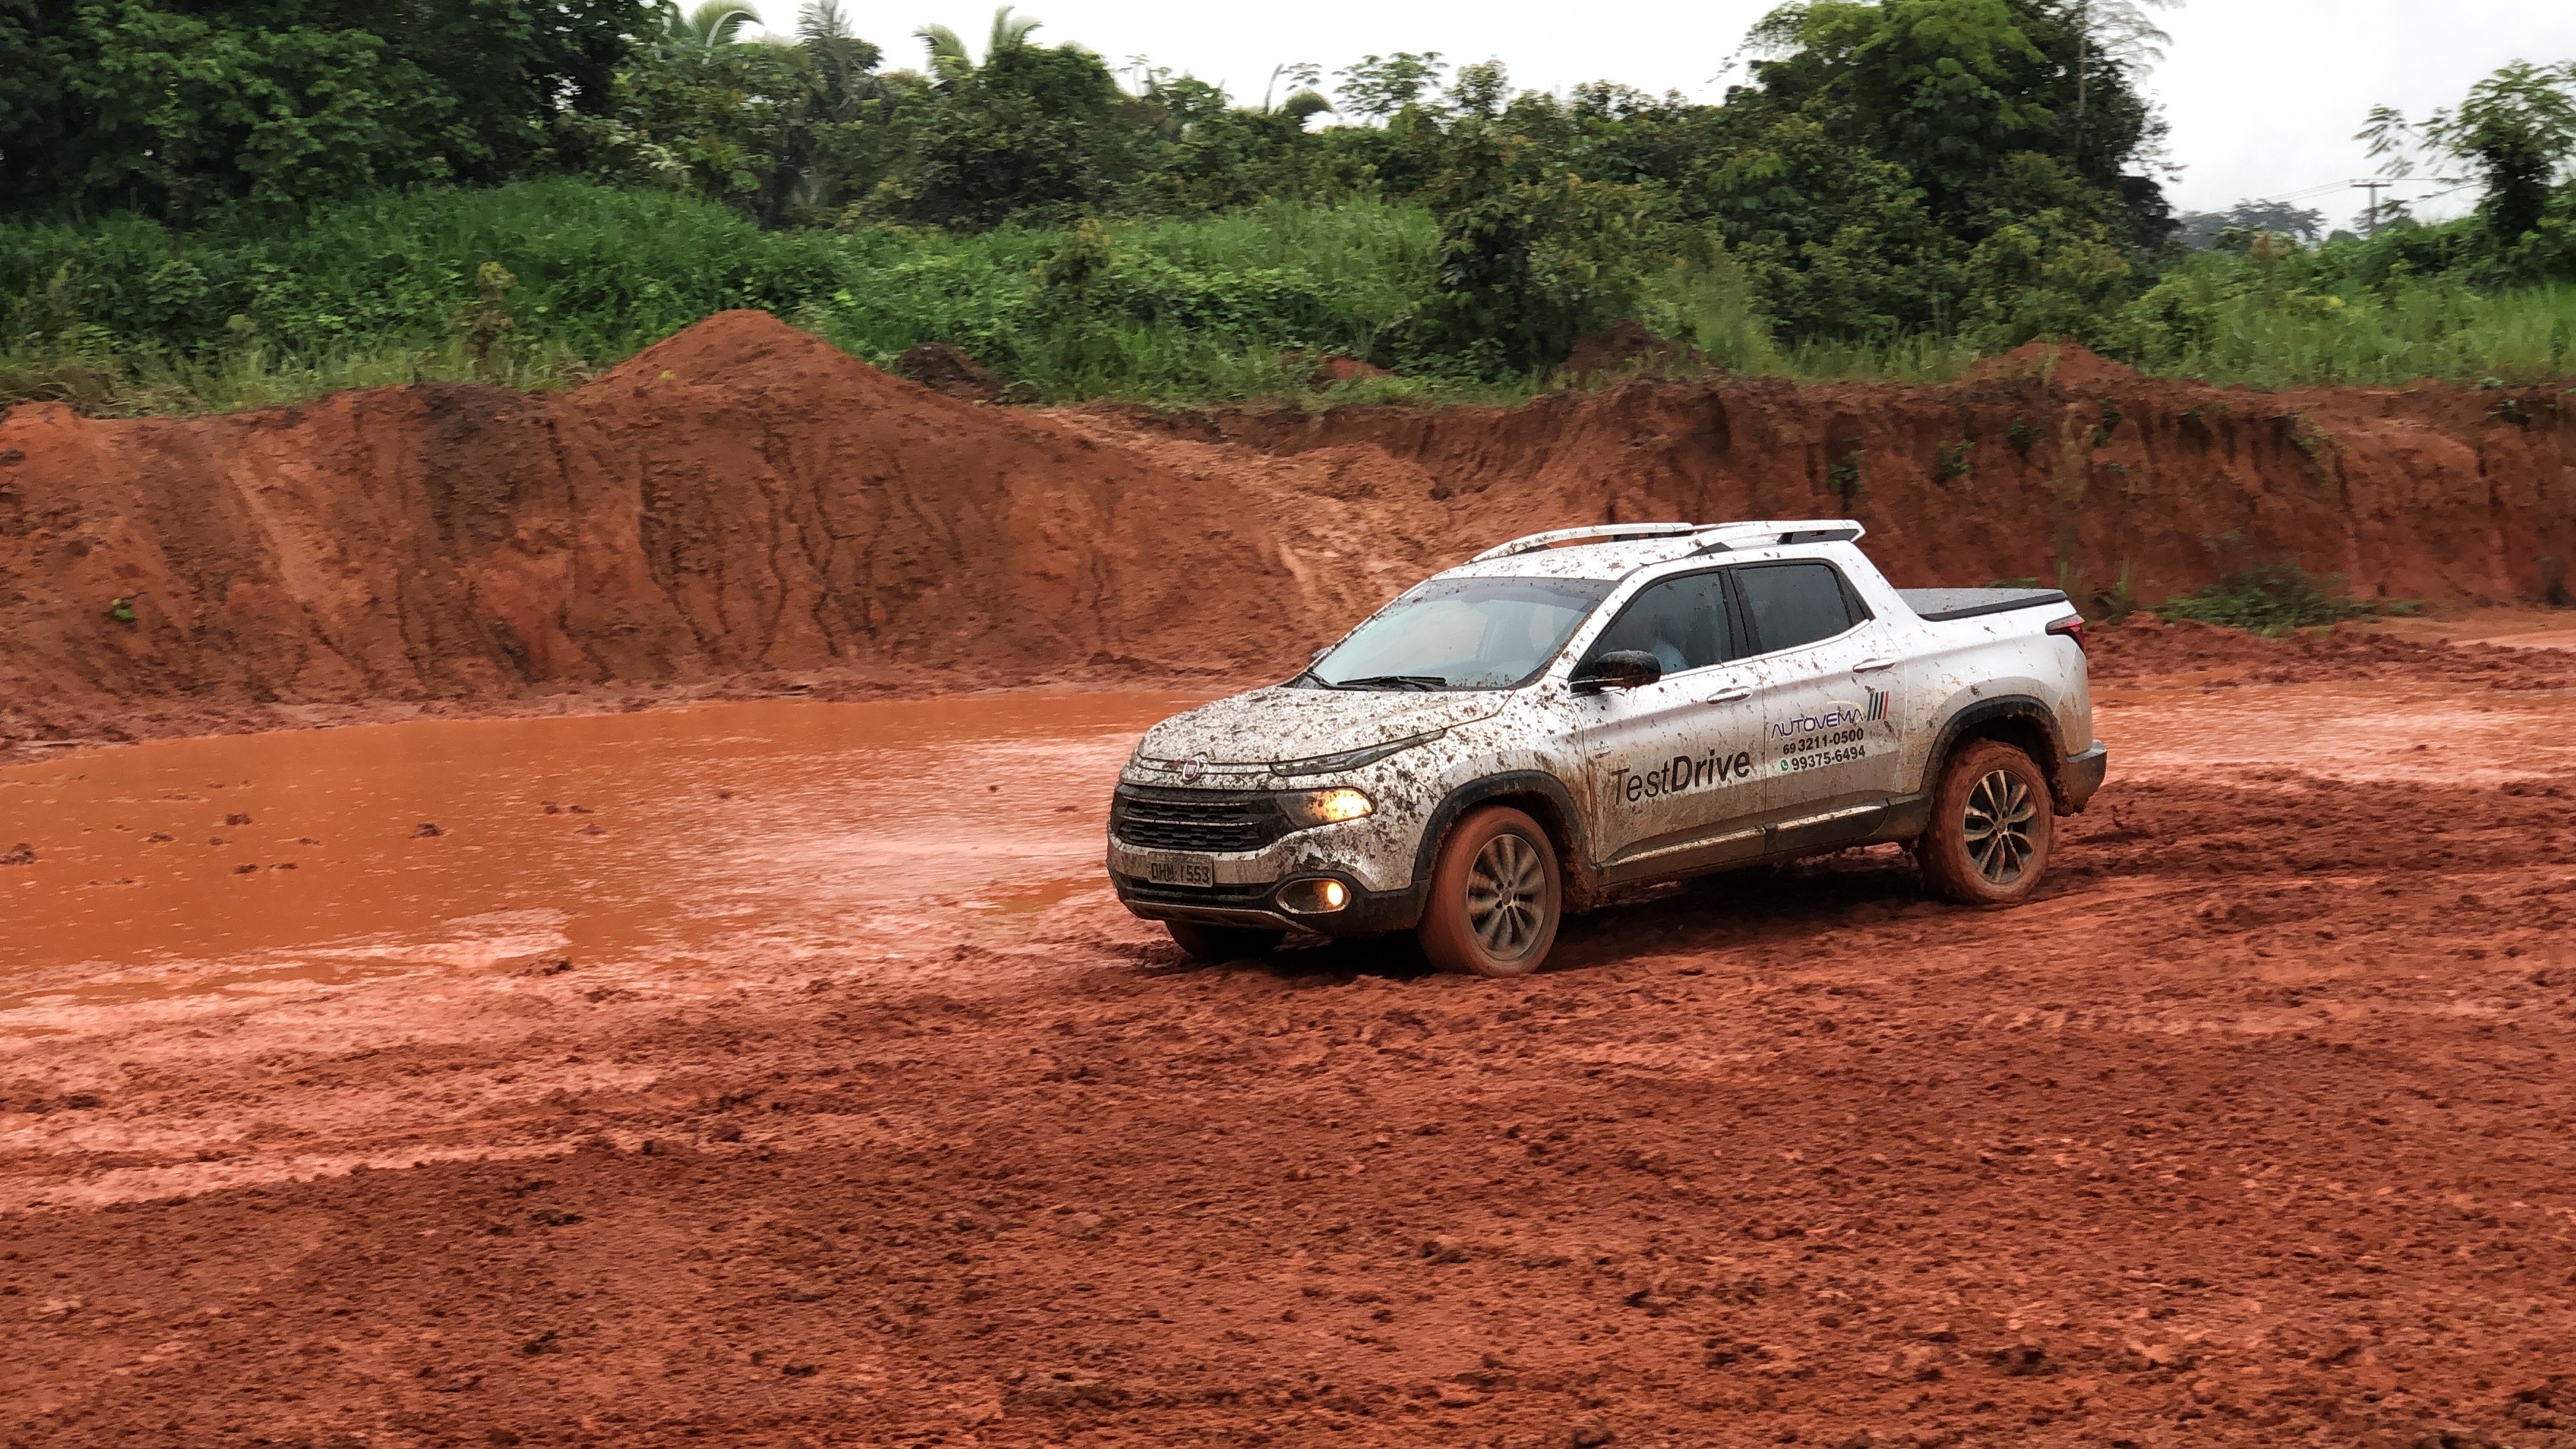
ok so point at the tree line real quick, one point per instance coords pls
(1982, 170)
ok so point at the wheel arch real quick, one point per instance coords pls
(1543, 798)
(2019, 720)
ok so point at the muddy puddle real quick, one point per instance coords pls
(677, 842)
(671, 841)
(685, 853)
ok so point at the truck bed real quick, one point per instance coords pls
(1943, 605)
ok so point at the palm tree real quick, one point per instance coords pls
(709, 27)
(948, 58)
(2122, 31)
(821, 22)
(1304, 100)
(1010, 32)
(842, 59)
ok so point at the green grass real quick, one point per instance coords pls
(2442, 332)
(2274, 599)
(126, 317)
(156, 384)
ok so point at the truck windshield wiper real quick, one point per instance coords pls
(1388, 681)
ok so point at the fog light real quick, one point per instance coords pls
(1315, 897)
(1327, 807)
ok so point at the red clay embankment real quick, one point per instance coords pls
(2053, 464)
(746, 500)
(742, 497)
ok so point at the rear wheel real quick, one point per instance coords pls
(1221, 943)
(1495, 896)
(1992, 826)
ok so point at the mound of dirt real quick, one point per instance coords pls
(2067, 365)
(739, 497)
(2147, 647)
(1627, 347)
(744, 500)
(949, 371)
(1335, 369)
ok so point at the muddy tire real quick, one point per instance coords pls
(1992, 825)
(1219, 943)
(1495, 896)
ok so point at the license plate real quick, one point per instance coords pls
(1182, 870)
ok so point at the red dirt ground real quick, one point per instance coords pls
(2252, 1131)
(2146, 645)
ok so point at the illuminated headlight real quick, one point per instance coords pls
(1327, 807)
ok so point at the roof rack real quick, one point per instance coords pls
(1773, 532)
(1710, 537)
(1596, 533)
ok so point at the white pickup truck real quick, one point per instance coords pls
(1579, 713)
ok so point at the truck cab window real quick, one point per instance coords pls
(1794, 603)
(1682, 622)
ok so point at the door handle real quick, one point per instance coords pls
(1872, 666)
(1732, 696)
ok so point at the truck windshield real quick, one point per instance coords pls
(1461, 634)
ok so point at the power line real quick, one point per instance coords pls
(2374, 185)
(2377, 184)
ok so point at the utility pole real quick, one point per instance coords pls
(2370, 218)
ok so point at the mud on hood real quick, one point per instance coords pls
(1272, 726)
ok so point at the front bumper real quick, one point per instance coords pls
(1254, 905)
(2080, 775)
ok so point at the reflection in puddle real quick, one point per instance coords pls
(1033, 899)
(664, 842)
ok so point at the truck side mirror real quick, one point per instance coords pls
(1619, 669)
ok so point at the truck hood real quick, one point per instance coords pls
(1271, 726)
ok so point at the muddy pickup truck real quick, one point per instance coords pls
(1574, 715)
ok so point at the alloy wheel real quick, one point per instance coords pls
(1507, 896)
(2000, 810)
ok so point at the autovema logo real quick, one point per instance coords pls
(1877, 709)
(1837, 715)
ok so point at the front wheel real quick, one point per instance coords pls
(1218, 943)
(1992, 825)
(1495, 896)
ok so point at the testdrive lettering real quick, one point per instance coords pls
(1680, 773)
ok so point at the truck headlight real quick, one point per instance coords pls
(1327, 807)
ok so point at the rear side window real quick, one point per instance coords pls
(1682, 622)
(1795, 603)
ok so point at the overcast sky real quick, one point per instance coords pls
(2263, 95)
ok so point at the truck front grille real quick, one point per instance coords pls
(1148, 818)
